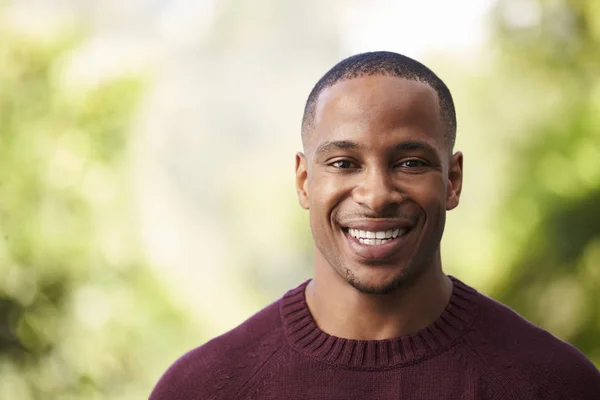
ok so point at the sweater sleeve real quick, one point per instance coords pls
(206, 374)
(225, 365)
(583, 379)
(528, 362)
(566, 375)
(189, 378)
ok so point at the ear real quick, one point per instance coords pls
(302, 180)
(455, 178)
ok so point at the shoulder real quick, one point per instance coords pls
(224, 364)
(528, 358)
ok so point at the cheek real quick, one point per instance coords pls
(326, 192)
(434, 203)
(429, 192)
(320, 193)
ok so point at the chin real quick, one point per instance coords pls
(368, 283)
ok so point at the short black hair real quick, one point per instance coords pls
(389, 64)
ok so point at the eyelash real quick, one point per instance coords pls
(413, 160)
(342, 161)
(421, 163)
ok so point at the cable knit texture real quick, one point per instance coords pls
(477, 349)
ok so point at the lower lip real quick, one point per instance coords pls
(376, 252)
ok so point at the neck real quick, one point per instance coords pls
(341, 310)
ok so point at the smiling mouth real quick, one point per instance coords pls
(371, 238)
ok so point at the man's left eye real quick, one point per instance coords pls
(413, 164)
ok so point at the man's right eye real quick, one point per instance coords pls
(342, 164)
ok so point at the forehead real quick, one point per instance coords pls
(377, 105)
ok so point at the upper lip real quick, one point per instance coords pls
(378, 225)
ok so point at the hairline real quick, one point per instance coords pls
(308, 121)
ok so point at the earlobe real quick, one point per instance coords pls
(302, 180)
(455, 179)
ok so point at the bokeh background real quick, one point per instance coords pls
(147, 196)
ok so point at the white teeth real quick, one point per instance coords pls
(367, 241)
(376, 235)
(375, 238)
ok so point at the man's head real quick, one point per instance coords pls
(378, 132)
(388, 64)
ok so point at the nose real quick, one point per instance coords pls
(377, 191)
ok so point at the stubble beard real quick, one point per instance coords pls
(402, 280)
(399, 282)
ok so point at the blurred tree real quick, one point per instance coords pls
(81, 315)
(550, 221)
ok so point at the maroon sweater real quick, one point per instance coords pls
(477, 349)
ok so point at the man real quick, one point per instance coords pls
(380, 319)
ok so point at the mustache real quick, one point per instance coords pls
(387, 215)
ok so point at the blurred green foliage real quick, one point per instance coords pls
(81, 315)
(550, 220)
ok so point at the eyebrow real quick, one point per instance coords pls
(408, 145)
(336, 145)
(414, 145)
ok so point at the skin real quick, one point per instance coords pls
(376, 159)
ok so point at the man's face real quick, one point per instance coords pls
(377, 177)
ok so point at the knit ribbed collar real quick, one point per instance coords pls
(305, 336)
